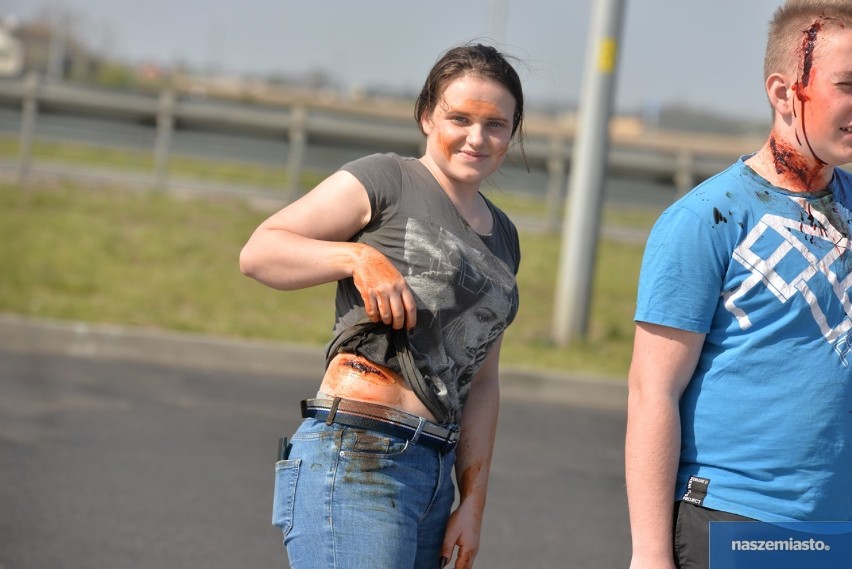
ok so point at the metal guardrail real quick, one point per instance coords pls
(679, 158)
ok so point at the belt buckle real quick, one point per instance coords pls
(451, 440)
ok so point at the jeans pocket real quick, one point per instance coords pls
(284, 495)
(358, 443)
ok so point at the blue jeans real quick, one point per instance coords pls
(348, 498)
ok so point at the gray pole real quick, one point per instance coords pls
(588, 163)
(499, 17)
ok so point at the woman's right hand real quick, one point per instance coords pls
(387, 297)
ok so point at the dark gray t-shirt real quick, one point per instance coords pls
(464, 282)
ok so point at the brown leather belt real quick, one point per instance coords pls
(387, 420)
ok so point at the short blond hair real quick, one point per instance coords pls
(793, 29)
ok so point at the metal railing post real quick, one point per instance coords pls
(29, 119)
(555, 182)
(684, 176)
(298, 141)
(163, 142)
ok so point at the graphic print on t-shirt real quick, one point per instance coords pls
(469, 298)
(787, 256)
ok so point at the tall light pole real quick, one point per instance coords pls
(499, 18)
(588, 164)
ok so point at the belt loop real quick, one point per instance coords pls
(452, 438)
(332, 411)
(414, 438)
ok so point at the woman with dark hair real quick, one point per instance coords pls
(419, 255)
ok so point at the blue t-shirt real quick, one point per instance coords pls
(766, 275)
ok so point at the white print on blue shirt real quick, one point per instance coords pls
(797, 239)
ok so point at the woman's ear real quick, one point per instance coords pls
(426, 124)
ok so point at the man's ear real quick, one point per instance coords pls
(781, 91)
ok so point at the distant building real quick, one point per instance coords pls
(11, 55)
(46, 51)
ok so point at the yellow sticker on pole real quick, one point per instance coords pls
(607, 54)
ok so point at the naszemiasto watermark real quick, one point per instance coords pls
(787, 545)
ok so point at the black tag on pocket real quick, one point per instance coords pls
(283, 451)
(696, 490)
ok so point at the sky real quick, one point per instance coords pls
(698, 53)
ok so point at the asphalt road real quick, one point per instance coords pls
(116, 463)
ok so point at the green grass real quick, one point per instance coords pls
(81, 154)
(151, 259)
(154, 260)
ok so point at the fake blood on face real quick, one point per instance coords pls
(476, 111)
(808, 45)
(809, 42)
